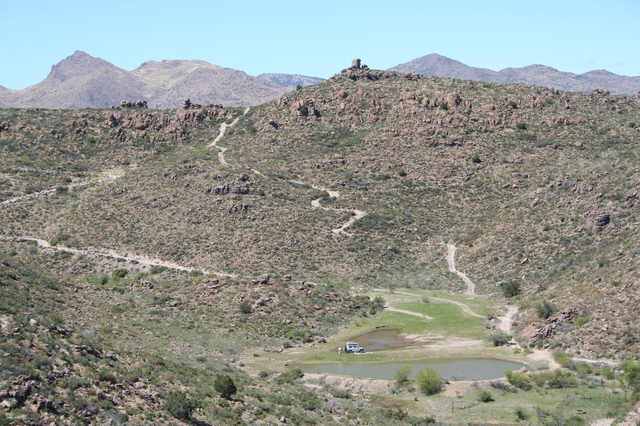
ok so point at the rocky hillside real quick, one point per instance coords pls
(362, 179)
(290, 80)
(538, 75)
(83, 81)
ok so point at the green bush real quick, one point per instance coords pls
(339, 393)
(556, 379)
(545, 309)
(225, 386)
(289, 376)
(521, 414)
(118, 274)
(429, 381)
(631, 374)
(156, 269)
(245, 307)
(485, 396)
(179, 405)
(476, 159)
(521, 126)
(402, 376)
(518, 379)
(499, 338)
(511, 289)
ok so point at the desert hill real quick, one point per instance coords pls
(83, 81)
(185, 238)
(538, 75)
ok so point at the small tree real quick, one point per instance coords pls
(631, 374)
(402, 376)
(429, 381)
(225, 386)
(511, 289)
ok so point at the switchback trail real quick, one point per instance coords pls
(223, 129)
(356, 214)
(451, 261)
(341, 230)
(143, 260)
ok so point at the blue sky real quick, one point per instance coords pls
(319, 37)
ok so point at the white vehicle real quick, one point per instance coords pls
(353, 347)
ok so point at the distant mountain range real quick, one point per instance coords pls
(538, 75)
(83, 81)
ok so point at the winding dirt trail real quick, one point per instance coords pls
(221, 132)
(104, 176)
(341, 230)
(461, 305)
(90, 251)
(403, 311)
(356, 214)
(451, 261)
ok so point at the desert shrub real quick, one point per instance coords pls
(499, 338)
(156, 269)
(521, 414)
(511, 289)
(402, 376)
(339, 393)
(289, 376)
(179, 405)
(556, 379)
(225, 386)
(299, 335)
(105, 375)
(429, 381)
(476, 159)
(518, 379)
(444, 106)
(545, 309)
(245, 307)
(521, 126)
(585, 369)
(118, 274)
(485, 396)
(580, 321)
(513, 105)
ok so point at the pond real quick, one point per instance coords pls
(383, 338)
(449, 369)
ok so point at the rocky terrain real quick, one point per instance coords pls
(538, 75)
(83, 81)
(290, 80)
(532, 186)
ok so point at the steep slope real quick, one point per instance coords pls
(538, 75)
(290, 80)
